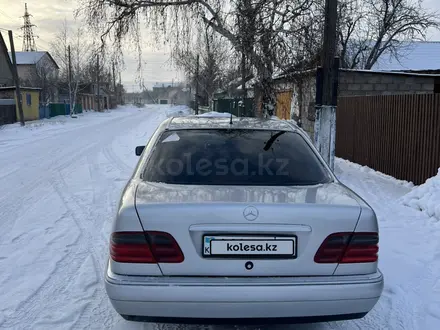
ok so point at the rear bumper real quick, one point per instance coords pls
(187, 299)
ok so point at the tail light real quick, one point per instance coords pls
(346, 248)
(145, 247)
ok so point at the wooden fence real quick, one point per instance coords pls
(398, 135)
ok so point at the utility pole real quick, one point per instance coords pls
(97, 82)
(325, 116)
(243, 84)
(114, 80)
(329, 49)
(16, 80)
(70, 79)
(120, 89)
(197, 87)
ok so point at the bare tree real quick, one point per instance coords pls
(370, 28)
(215, 62)
(44, 76)
(265, 23)
(73, 70)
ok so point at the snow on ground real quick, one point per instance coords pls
(61, 179)
(409, 253)
(425, 198)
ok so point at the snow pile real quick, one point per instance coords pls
(216, 114)
(366, 169)
(425, 198)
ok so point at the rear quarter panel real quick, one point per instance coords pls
(367, 223)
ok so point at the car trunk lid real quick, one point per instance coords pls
(294, 219)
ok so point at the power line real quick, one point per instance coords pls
(2, 12)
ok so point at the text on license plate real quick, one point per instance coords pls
(249, 246)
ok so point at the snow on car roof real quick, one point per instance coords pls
(201, 122)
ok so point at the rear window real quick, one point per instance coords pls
(234, 157)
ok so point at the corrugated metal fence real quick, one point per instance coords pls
(397, 135)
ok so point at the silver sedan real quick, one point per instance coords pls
(240, 220)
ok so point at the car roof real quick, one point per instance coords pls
(201, 122)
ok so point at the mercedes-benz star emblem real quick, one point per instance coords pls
(250, 213)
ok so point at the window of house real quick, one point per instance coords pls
(28, 99)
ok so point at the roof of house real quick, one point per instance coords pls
(164, 85)
(414, 56)
(9, 88)
(30, 58)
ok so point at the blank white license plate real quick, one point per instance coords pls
(249, 246)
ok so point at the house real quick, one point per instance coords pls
(87, 96)
(38, 69)
(30, 97)
(6, 77)
(8, 103)
(170, 94)
(302, 86)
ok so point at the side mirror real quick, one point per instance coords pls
(139, 150)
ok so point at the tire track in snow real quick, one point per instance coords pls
(43, 162)
(15, 192)
(64, 271)
(66, 267)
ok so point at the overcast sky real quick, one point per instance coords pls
(48, 16)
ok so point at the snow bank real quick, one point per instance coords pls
(366, 169)
(216, 114)
(425, 198)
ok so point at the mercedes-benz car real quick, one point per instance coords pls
(232, 220)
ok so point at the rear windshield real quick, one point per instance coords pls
(234, 157)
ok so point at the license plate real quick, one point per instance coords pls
(232, 246)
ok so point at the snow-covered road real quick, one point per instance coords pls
(60, 180)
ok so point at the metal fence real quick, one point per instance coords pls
(232, 106)
(7, 114)
(63, 109)
(398, 135)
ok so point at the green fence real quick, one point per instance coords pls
(63, 109)
(232, 106)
